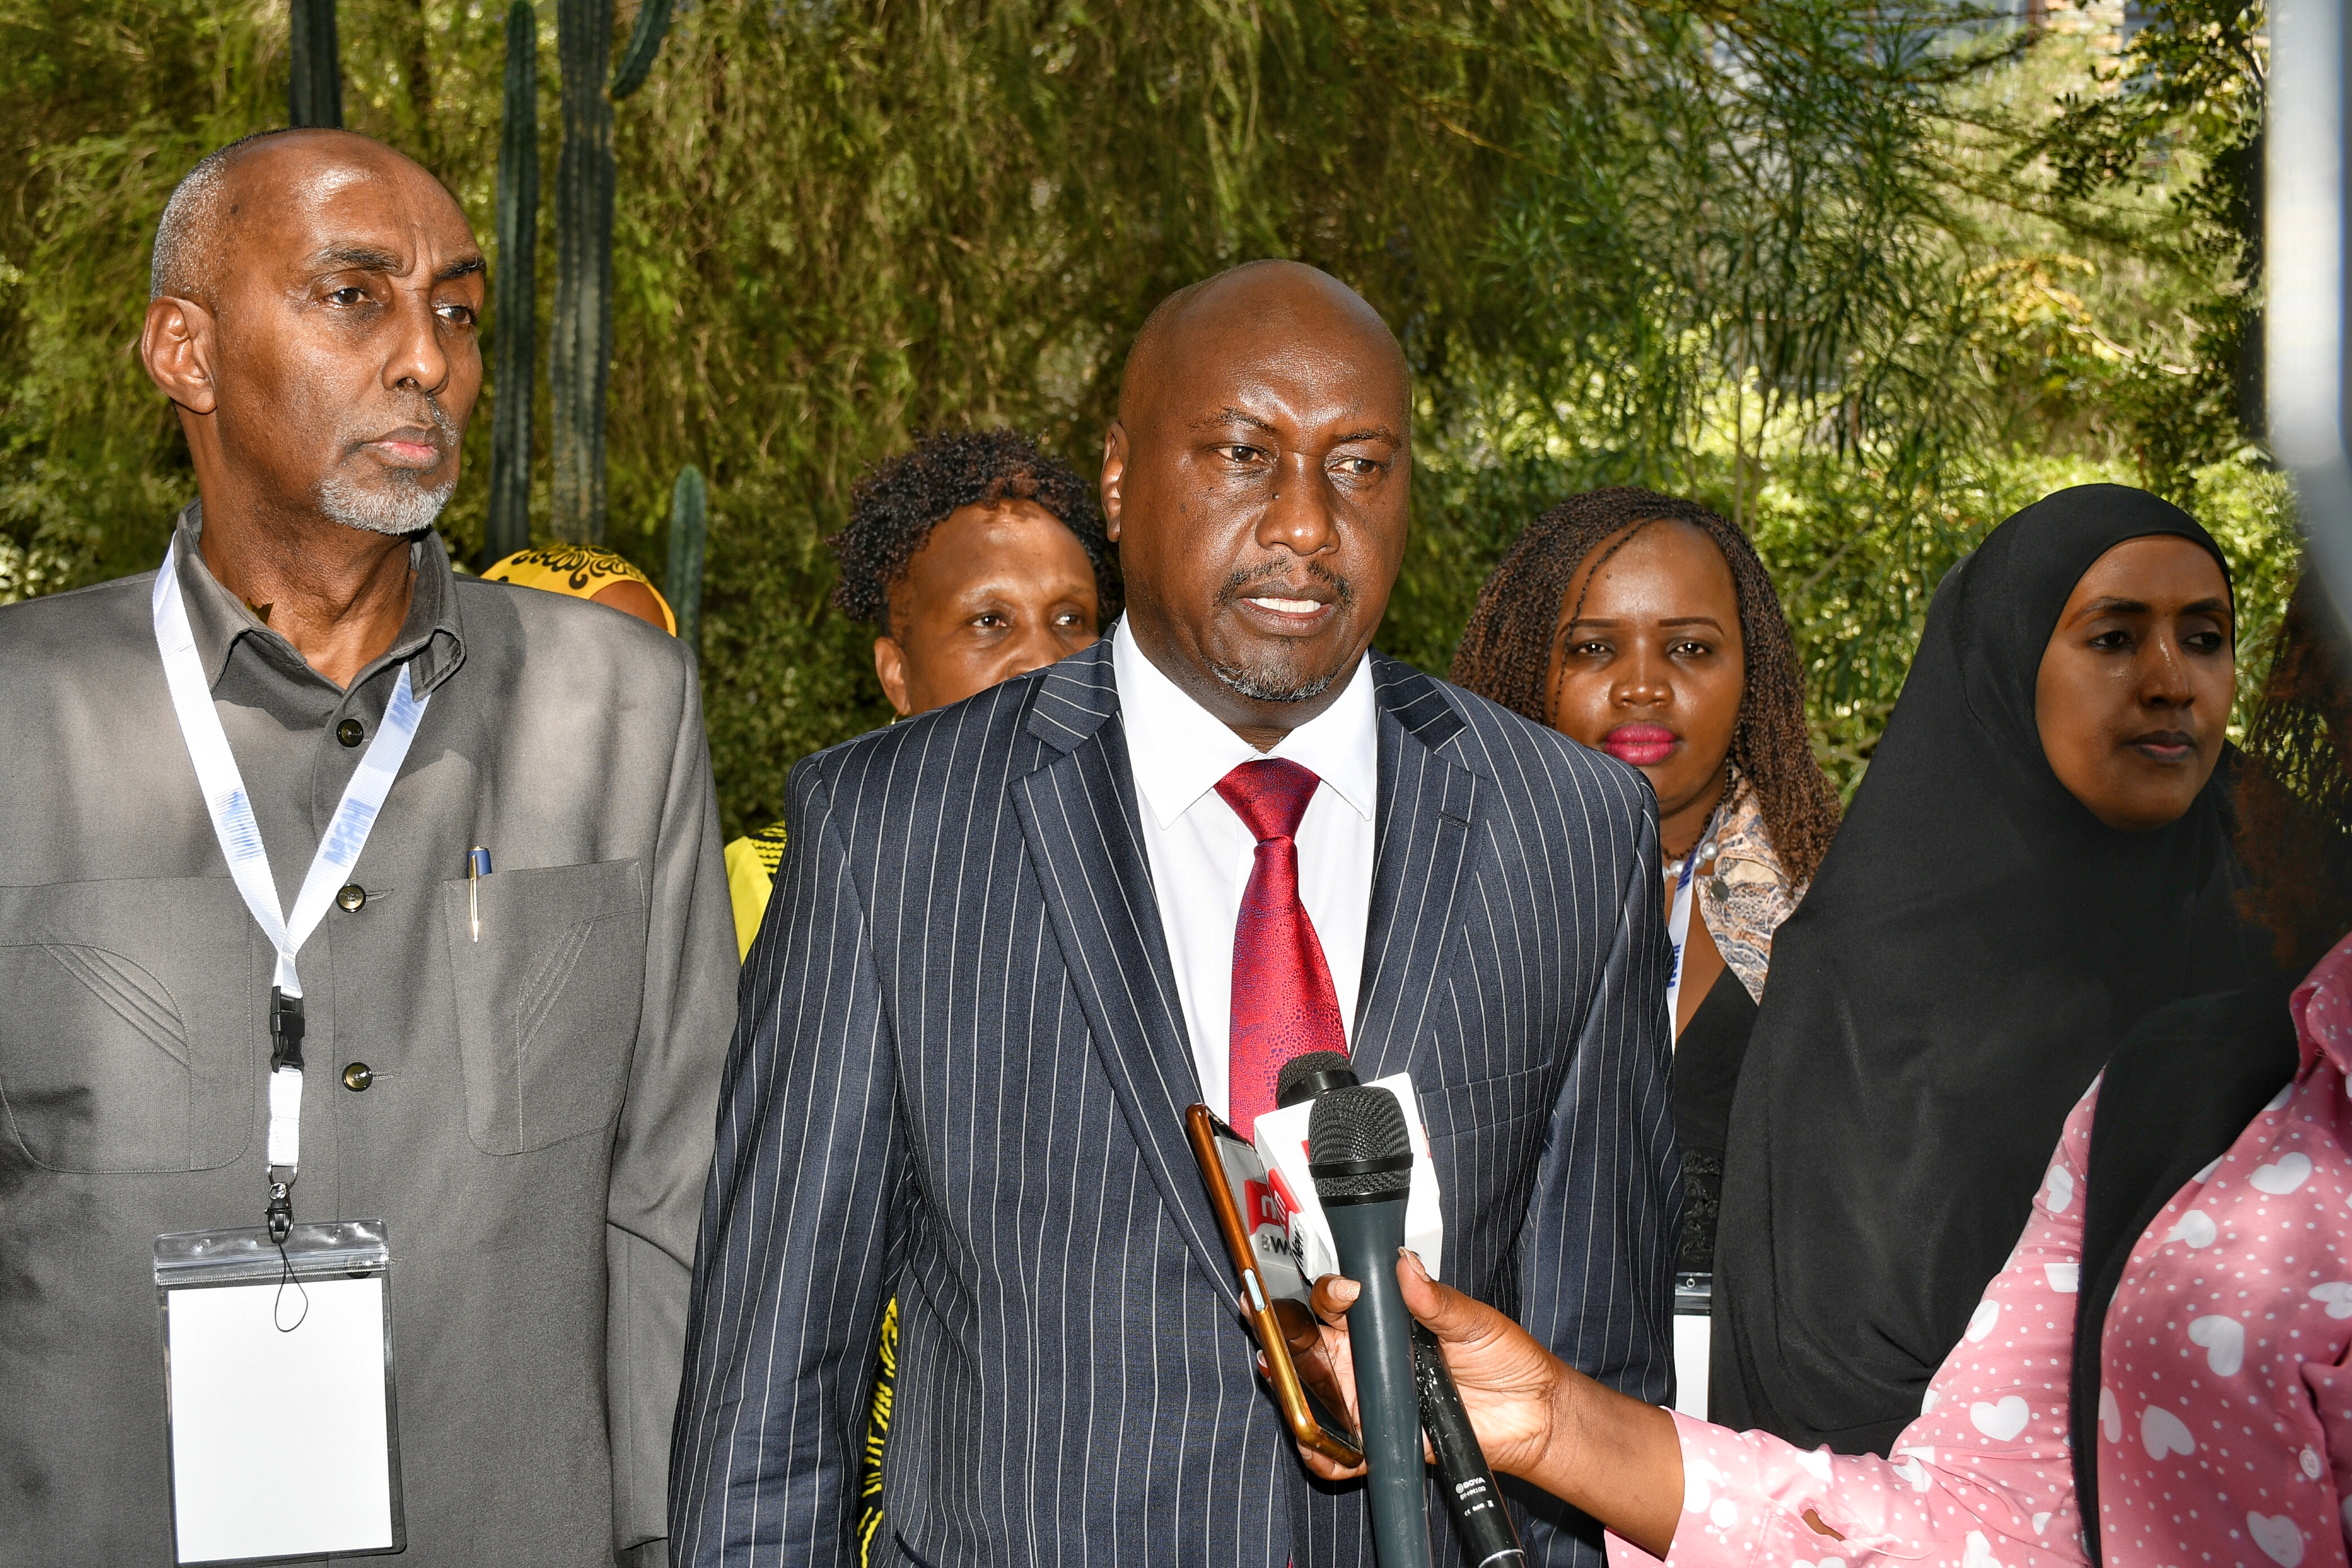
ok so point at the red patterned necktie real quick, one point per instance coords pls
(1284, 1005)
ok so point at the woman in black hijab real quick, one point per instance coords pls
(1977, 942)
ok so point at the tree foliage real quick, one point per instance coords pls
(1801, 258)
(2177, 117)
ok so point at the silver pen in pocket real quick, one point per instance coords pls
(478, 866)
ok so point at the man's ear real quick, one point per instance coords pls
(176, 346)
(1114, 478)
(890, 663)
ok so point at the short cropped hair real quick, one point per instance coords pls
(899, 501)
(187, 235)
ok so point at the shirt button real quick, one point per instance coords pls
(351, 731)
(357, 1076)
(351, 897)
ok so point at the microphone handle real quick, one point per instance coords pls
(1367, 1237)
(1484, 1524)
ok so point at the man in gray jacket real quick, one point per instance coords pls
(516, 1071)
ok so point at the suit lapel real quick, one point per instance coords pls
(1078, 813)
(1421, 837)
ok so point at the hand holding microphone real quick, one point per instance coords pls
(1508, 1382)
(1531, 1415)
(1535, 1417)
(1481, 1522)
(1361, 1155)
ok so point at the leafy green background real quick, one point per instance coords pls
(1866, 278)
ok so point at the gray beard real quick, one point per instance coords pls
(1261, 685)
(407, 507)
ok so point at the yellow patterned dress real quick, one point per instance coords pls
(751, 862)
(877, 1434)
(581, 571)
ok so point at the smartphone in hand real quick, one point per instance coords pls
(1253, 1219)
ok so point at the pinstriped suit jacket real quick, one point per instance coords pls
(959, 1074)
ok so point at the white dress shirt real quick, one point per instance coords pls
(1202, 854)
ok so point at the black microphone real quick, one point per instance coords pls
(1304, 1078)
(1361, 1159)
(1480, 1520)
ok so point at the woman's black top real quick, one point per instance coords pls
(1706, 1066)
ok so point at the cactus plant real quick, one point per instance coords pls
(514, 347)
(645, 44)
(314, 84)
(689, 509)
(580, 359)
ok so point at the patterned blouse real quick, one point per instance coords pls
(1747, 896)
(2225, 1410)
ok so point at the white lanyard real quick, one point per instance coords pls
(1678, 919)
(248, 862)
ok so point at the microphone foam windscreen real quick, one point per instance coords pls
(1305, 1077)
(1353, 1129)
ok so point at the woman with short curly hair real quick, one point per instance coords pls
(977, 557)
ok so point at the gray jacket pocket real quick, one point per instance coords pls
(129, 1020)
(548, 999)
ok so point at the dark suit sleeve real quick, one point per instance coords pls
(790, 1278)
(1596, 1263)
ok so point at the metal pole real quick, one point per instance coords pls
(2305, 249)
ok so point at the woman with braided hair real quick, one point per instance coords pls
(1646, 626)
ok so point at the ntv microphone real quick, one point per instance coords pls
(1360, 1156)
(1480, 1520)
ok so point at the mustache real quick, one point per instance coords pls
(1237, 586)
(432, 414)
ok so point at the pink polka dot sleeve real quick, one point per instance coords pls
(1982, 1480)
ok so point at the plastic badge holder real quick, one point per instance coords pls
(284, 1440)
(1693, 1329)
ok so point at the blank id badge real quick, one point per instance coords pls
(279, 1411)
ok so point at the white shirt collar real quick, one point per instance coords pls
(1180, 750)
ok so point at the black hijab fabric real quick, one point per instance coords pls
(1974, 947)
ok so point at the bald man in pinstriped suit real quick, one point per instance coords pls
(1014, 938)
